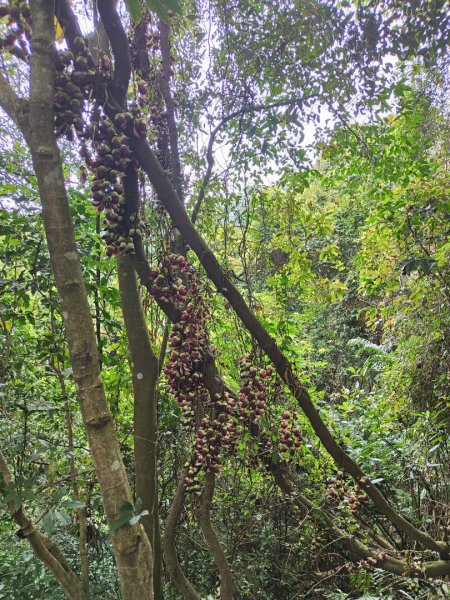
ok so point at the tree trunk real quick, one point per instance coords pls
(145, 371)
(132, 548)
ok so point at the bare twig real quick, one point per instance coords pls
(212, 138)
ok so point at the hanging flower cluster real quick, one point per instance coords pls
(108, 165)
(109, 153)
(69, 98)
(74, 78)
(353, 498)
(167, 283)
(175, 282)
(124, 119)
(357, 498)
(188, 341)
(104, 146)
(290, 437)
(215, 435)
(252, 405)
(337, 487)
(211, 418)
(149, 98)
(252, 399)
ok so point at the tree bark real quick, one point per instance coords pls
(214, 545)
(145, 372)
(183, 585)
(132, 548)
(166, 73)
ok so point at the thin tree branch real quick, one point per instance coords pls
(45, 549)
(16, 108)
(351, 130)
(212, 138)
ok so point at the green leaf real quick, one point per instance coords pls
(135, 519)
(10, 495)
(72, 504)
(28, 494)
(162, 8)
(62, 517)
(18, 501)
(48, 523)
(60, 493)
(134, 8)
(120, 522)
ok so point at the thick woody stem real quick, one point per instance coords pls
(214, 545)
(120, 48)
(145, 370)
(146, 367)
(131, 548)
(183, 585)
